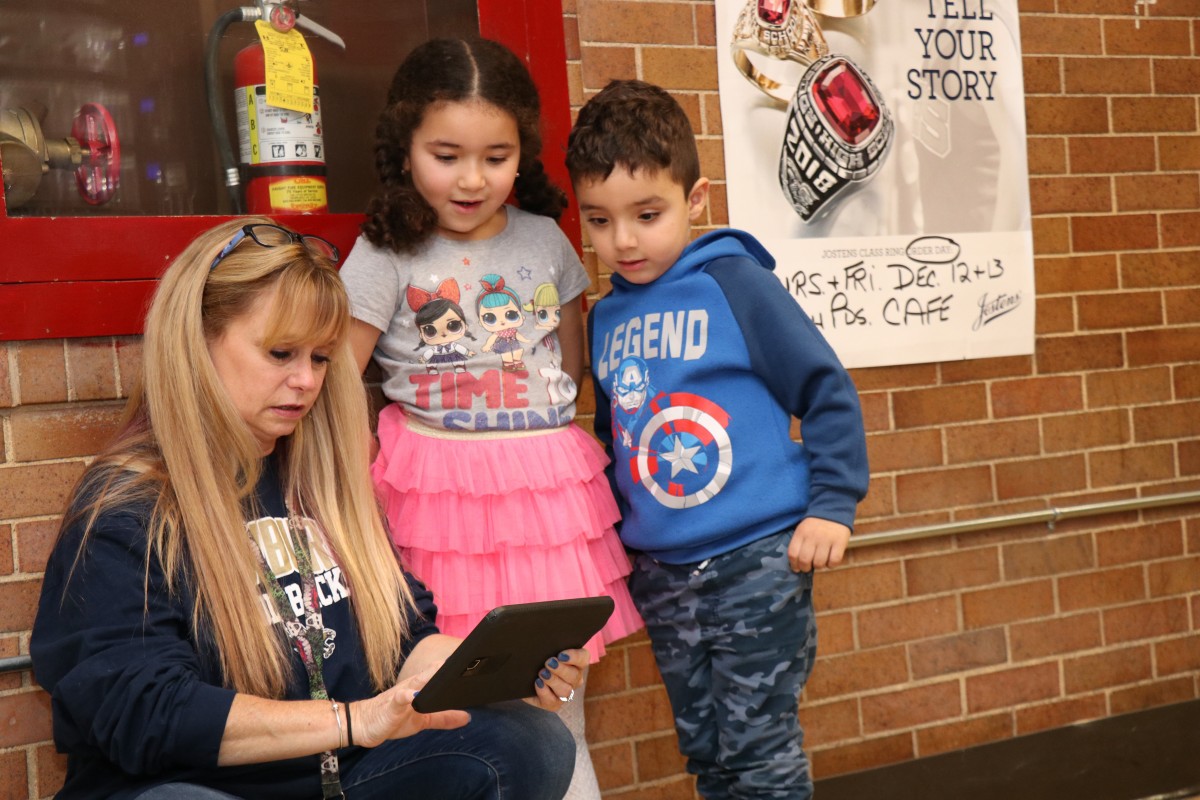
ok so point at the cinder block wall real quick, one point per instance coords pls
(926, 646)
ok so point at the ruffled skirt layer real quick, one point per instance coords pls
(488, 521)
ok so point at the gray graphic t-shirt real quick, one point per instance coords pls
(470, 328)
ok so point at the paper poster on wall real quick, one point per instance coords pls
(877, 149)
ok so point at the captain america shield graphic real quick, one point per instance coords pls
(684, 455)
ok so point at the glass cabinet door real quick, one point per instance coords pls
(111, 164)
(143, 62)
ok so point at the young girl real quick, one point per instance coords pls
(493, 495)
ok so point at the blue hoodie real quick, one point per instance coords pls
(698, 375)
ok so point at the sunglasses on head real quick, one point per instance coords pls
(267, 235)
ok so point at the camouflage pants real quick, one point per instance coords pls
(735, 639)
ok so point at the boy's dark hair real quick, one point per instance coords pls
(638, 126)
(453, 70)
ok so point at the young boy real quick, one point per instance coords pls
(700, 359)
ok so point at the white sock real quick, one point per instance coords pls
(583, 782)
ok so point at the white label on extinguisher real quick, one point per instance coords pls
(271, 135)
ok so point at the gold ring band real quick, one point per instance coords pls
(841, 8)
(788, 31)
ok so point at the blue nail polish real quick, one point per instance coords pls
(552, 663)
(545, 674)
(416, 693)
(563, 657)
(539, 683)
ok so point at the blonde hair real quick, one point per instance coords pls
(544, 294)
(185, 448)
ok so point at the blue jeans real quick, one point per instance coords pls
(183, 791)
(735, 639)
(511, 751)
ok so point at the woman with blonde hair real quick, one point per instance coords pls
(223, 613)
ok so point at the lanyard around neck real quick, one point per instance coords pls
(308, 638)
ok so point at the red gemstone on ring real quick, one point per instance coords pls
(844, 99)
(773, 12)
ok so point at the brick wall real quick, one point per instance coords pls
(59, 402)
(926, 646)
(935, 645)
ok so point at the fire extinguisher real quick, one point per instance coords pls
(281, 152)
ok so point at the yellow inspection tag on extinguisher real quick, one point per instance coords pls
(289, 68)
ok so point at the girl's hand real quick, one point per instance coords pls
(558, 680)
(390, 715)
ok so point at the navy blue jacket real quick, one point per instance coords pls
(698, 375)
(136, 692)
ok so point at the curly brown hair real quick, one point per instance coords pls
(454, 70)
(637, 125)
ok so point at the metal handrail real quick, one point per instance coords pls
(15, 664)
(1048, 515)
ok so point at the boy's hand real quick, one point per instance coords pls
(817, 544)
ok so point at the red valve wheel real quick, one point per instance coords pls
(100, 172)
(282, 18)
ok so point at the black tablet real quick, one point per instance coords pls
(500, 658)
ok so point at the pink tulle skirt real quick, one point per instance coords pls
(489, 521)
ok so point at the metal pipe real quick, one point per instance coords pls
(15, 664)
(1048, 515)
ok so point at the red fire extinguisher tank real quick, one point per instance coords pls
(282, 151)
